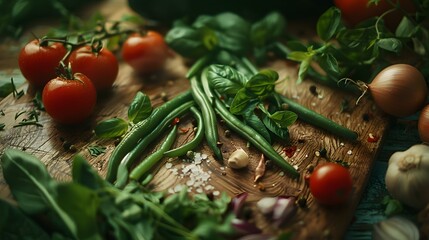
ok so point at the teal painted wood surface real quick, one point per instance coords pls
(400, 136)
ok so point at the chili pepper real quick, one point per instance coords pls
(209, 117)
(189, 146)
(141, 129)
(122, 173)
(153, 158)
(253, 137)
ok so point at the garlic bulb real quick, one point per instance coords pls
(407, 176)
(238, 159)
(395, 228)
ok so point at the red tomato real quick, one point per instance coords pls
(69, 101)
(38, 63)
(356, 11)
(331, 184)
(145, 53)
(101, 67)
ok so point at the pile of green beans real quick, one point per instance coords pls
(141, 129)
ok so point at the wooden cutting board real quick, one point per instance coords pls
(208, 175)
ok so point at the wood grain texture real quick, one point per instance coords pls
(313, 222)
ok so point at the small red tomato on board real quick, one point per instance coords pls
(145, 53)
(356, 11)
(99, 65)
(69, 101)
(38, 61)
(331, 184)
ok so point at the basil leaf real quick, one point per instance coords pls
(390, 44)
(140, 108)
(298, 56)
(243, 102)
(111, 128)
(262, 83)
(268, 29)
(256, 123)
(284, 118)
(186, 41)
(85, 175)
(14, 224)
(282, 133)
(225, 79)
(231, 30)
(329, 24)
(34, 189)
(81, 204)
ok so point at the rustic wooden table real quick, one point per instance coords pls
(368, 160)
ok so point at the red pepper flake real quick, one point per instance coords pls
(175, 121)
(372, 138)
(184, 130)
(289, 151)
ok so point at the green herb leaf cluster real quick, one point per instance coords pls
(362, 51)
(89, 207)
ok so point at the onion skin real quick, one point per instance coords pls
(423, 124)
(399, 90)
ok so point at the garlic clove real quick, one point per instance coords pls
(395, 228)
(238, 159)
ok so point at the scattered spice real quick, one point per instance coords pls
(261, 187)
(366, 117)
(313, 90)
(372, 138)
(260, 169)
(184, 130)
(344, 106)
(289, 151)
(302, 202)
(227, 133)
(175, 121)
(96, 150)
(2, 126)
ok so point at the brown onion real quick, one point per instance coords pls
(399, 90)
(423, 124)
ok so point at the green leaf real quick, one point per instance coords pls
(329, 63)
(262, 83)
(284, 118)
(140, 108)
(186, 41)
(406, 28)
(225, 79)
(111, 128)
(303, 68)
(390, 44)
(267, 29)
(232, 31)
(329, 24)
(14, 224)
(298, 56)
(256, 123)
(95, 150)
(282, 133)
(81, 204)
(85, 175)
(34, 189)
(243, 102)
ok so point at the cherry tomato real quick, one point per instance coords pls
(331, 184)
(145, 53)
(101, 66)
(69, 101)
(39, 60)
(356, 11)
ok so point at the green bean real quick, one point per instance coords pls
(152, 159)
(209, 117)
(319, 120)
(139, 130)
(199, 135)
(253, 137)
(122, 176)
